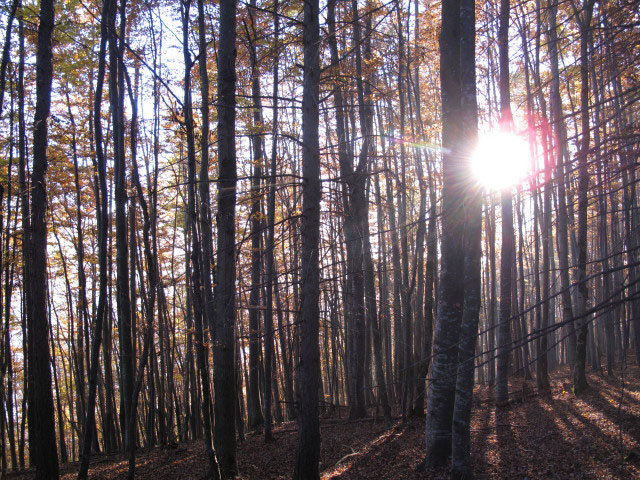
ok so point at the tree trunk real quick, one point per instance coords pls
(224, 364)
(579, 377)
(103, 231)
(254, 409)
(508, 236)
(308, 452)
(560, 154)
(461, 441)
(42, 434)
(270, 270)
(200, 309)
(441, 390)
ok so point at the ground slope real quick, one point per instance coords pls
(596, 435)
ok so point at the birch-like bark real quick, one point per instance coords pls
(461, 440)
(442, 384)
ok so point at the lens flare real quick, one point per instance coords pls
(501, 160)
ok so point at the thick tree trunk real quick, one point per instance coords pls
(308, 453)
(224, 358)
(461, 441)
(441, 390)
(42, 434)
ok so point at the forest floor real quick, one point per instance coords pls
(561, 436)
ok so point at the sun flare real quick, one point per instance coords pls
(501, 160)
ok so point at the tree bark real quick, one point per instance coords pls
(271, 273)
(103, 231)
(42, 434)
(224, 357)
(508, 236)
(254, 410)
(442, 388)
(560, 154)
(461, 440)
(579, 377)
(308, 452)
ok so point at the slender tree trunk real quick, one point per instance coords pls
(103, 230)
(560, 155)
(508, 236)
(254, 409)
(83, 309)
(7, 364)
(6, 50)
(62, 446)
(490, 223)
(367, 152)
(521, 300)
(198, 302)
(405, 321)
(116, 101)
(271, 273)
(579, 378)
(205, 221)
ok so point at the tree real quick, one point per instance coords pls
(207, 243)
(103, 229)
(129, 179)
(461, 428)
(560, 154)
(442, 389)
(224, 354)
(270, 245)
(201, 307)
(42, 437)
(256, 419)
(123, 298)
(508, 235)
(579, 378)
(308, 452)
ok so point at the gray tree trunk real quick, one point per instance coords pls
(461, 440)
(442, 385)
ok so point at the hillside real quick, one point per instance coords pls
(537, 437)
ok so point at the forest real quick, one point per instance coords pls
(365, 239)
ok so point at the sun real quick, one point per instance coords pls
(502, 159)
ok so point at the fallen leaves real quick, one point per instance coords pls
(556, 436)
